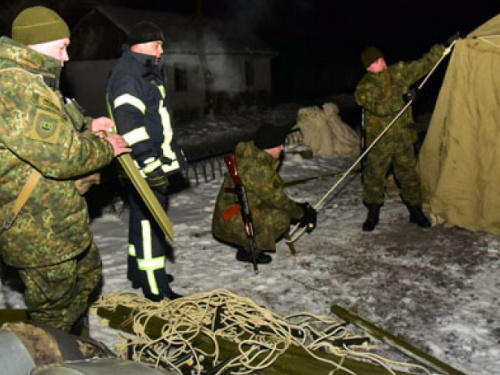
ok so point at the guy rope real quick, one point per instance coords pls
(295, 232)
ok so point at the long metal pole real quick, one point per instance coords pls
(395, 342)
(295, 236)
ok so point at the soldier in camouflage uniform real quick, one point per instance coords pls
(272, 210)
(50, 241)
(383, 92)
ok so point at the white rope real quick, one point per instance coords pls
(487, 40)
(294, 235)
(260, 335)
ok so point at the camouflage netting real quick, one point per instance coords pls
(324, 131)
(257, 335)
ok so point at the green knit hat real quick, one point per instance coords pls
(39, 25)
(370, 55)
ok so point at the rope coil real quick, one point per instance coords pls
(260, 335)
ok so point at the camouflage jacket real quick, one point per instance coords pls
(36, 133)
(264, 186)
(381, 96)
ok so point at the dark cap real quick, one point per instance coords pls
(369, 55)
(270, 136)
(145, 32)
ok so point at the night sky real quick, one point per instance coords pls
(317, 30)
(318, 33)
(329, 30)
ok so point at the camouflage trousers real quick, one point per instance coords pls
(269, 226)
(58, 295)
(404, 166)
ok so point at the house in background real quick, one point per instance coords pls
(210, 68)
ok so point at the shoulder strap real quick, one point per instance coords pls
(30, 184)
(23, 196)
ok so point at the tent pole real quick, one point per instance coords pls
(294, 234)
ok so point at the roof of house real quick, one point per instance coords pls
(181, 31)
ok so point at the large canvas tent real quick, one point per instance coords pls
(460, 159)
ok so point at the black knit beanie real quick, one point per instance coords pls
(145, 32)
(269, 136)
(369, 55)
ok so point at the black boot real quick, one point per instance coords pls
(81, 327)
(372, 218)
(169, 294)
(418, 217)
(137, 284)
(244, 256)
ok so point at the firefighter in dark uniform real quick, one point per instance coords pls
(137, 98)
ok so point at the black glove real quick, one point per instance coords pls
(157, 180)
(451, 39)
(165, 160)
(309, 218)
(410, 95)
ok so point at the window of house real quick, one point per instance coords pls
(249, 73)
(180, 77)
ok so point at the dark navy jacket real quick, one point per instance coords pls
(137, 98)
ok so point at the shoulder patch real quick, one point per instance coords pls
(45, 127)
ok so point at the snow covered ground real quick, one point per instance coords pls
(436, 288)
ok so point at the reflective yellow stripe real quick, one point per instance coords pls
(163, 92)
(167, 128)
(131, 250)
(148, 255)
(172, 167)
(167, 135)
(131, 100)
(152, 166)
(167, 131)
(139, 168)
(151, 264)
(136, 136)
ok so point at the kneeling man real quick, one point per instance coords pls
(272, 210)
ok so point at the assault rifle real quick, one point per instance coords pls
(241, 193)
